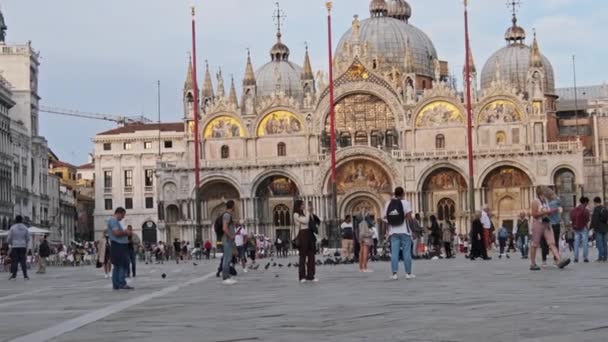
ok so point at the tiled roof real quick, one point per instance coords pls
(86, 166)
(132, 128)
(59, 163)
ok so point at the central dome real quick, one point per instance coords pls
(388, 39)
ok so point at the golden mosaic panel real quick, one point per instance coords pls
(499, 111)
(224, 127)
(439, 114)
(362, 174)
(279, 122)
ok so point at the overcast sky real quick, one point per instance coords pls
(106, 55)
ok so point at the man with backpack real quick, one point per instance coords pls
(523, 234)
(580, 219)
(599, 224)
(503, 236)
(397, 213)
(226, 233)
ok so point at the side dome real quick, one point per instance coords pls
(389, 38)
(279, 75)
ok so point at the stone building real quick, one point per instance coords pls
(6, 155)
(399, 121)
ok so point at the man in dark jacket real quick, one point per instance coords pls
(44, 251)
(599, 224)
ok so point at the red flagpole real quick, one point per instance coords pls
(332, 114)
(197, 176)
(467, 71)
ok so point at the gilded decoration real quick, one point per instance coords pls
(357, 72)
(224, 127)
(279, 122)
(277, 186)
(439, 114)
(445, 179)
(499, 111)
(362, 174)
(507, 177)
(362, 112)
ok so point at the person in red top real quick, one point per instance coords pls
(580, 218)
(207, 248)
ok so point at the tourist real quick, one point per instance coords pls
(503, 236)
(305, 242)
(240, 240)
(348, 235)
(18, 239)
(148, 253)
(177, 249)
(228, 242)
(207, 247)
(374, 250)
(132, 246)
(252, 248)
(477, 243)
(447, 239)
(580, 219)
(103, 255)
(541, 227)
(599, 224)
(119, 240)
(436, 234)
(365, 238)
(569, 237)
(44, 251)
(487, 229)
(397, 212)
(417, 236)
(522, 232)
(555, 220)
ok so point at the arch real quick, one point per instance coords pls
(261, 178)
(279, 122)
(561, 168)
(219, 178)
(281, 215)
(223, 126)
(501, 138)
(350, 202)
(362, 173)
(171, 214)
(505, 163)
(169, 191)
(149, 233)
(444, 179)
(446, 209)
(506, 176)
(439, 113)
(502, 110)
(219, 189)
(564, 179)
(429, 171)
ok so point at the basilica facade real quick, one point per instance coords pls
(399, 121)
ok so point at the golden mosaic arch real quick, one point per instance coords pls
(499, 111)
(279, 122)
(360, 174)
(224, 127)
(439, 114)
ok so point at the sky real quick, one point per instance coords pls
(106, 56)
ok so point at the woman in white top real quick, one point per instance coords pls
(541, 228)
(305, 242)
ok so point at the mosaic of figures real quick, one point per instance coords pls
(279, 122)
(439, 114)
(499, 111)
(445, 179)
(224, 127)
(507, 177)
(362, 112)
(362, 174)
(278, 186)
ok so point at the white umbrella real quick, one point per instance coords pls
(38, 231)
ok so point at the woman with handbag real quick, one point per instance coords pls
(305, 242)
(103, 256)
(365, 238)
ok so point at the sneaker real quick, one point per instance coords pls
(563, 263)
(586, 260)
(127, 287)
(394, 276)
(368, 271)
(508, 257)
(245, 270)
(26, 278)
(315, 280)
(534, 268)
(303, 281)
(229, 281)
(500, 256)
(106, 276)
(410, 276)
(12, 278)
(544, 265)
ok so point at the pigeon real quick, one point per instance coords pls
(289, 265)
(276, 275)
(267, 266)
(256, 266)
(280, 265)
(195, 264)
(164, 276)
(274, 265)
(296, 265)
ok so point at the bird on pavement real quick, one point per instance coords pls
(267, 266)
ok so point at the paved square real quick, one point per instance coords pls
(451, 300)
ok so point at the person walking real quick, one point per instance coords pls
(44, 251)
(436, 235)
(177, 249)
(240, 240)
(477, 242)
(397, 212)
(580, 220)
(103, 255)
(541, 227)
(599, 224)
(487, 226)
(305, 242)
(228, 245)
(447, 239)
(366, 241)
(522, 233)
(555, 220)
(348, 236)
(132, 247)
(503, 236)
(119, 253)
(18, 239)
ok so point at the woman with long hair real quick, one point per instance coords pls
(365, 238)
(305, 241)
(435, 235)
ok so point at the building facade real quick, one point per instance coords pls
(399, 122)
(6, 155)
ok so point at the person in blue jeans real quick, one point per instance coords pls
(398, 212)
(119, 254)
(599, 224)
(580, 221)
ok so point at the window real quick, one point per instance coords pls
(59, 174)
(79, 176)
(107, 179)
(149, 177)
(127, 146)
(361, 138)
(128, 178)
(107, 147)
(168, 144)
(281, 149)
(108, 203)
(149, 202)
(281, 215)
(345, 140)
(440, 141)
(147, 145)
(225, 152)
(128, 203)
(501, 138)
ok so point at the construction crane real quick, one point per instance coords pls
(119, 119)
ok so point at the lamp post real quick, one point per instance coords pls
(467, 71)
(197, 179)
(332, 125)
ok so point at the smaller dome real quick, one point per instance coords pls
(378, 8)
(399, 9)
(280, 75)
(279, 51)
(515, 33)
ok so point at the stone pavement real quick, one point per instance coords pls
(451, 300)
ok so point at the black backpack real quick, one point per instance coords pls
(395, 214)
(218, 226)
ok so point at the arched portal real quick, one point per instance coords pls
(444, 195)
(507, 191)
(171, 218)
(359, 205)
(214, 196)
(565, 188)
(275, 196)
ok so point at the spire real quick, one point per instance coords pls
(515, 33)
(410, 67)
(221, 92)
(536, 60)
(307, 73)
(2, 28)
(232, 95)
(249, 79)
(279, 51)
(189, 84)
(207, 92)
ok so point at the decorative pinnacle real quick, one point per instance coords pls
(329, 6)
(193, 11)
(279, 18)
(514, 4)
